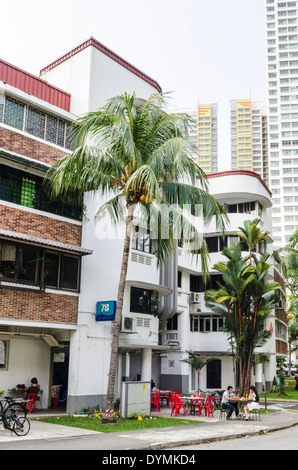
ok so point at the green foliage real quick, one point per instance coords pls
(280, 361)
(197, 363)
(139, 155)
(244, 299)
(122, 425)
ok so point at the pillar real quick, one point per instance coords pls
(259, 377)
(146, 374)
(127, 367)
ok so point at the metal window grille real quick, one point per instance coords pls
(51, 129)
(17, 114)
(28, 264)
(69, 278)
(35, 122)
(4, 347)
(14, 113)
(27, 190)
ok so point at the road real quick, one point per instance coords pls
(277, 440)
(286, 439)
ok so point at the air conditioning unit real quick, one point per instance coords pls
(194, 297)
(128, 325)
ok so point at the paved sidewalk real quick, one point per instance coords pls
(211, 429)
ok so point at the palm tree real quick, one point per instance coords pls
(245, 300)
(287, 261)
(197, 363)
(251, 234)
(139, 156)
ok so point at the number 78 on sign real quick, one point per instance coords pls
(105, 310)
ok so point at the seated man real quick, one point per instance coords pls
(225, 404)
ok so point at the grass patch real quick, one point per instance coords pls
(290, 392)
(262, 411)
(94, 424)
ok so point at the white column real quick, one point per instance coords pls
(146, 365)
(259, 377)
(127, 366)
(119, 376)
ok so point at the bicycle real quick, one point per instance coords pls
(20, 425)
(18, 406)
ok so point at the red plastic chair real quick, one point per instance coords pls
(31, 401)
(167, 396)
(208, 407)
(172, 397)
(177, 405)
(155, 397)
(196, 402)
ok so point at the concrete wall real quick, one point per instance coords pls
(27, 358)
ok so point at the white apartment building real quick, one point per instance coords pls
(282, 79)
(50, 324)
(195, 327)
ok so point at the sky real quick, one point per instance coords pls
(207, 51)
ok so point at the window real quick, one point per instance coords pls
(20, 187)
(245, 207)
(35, 122)
(179, 281)
(141, 239)
(172, 323)
(61, 271)
(206, 324)
(214, 374)
(19, 262)
(28, 264)
(197, 284)
(212, 244)
(14, 113)
(69, 273)
(4, 346)
(27, 118)
(143, 301)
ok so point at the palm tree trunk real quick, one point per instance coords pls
(118, 316)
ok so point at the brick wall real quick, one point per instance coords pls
(281, 347)
(15, 142)
(17, 220)
(281, 315)
(280, 280)
(38, 306)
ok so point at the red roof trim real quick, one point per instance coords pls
(33, 85)
(240, 172)
(93, 42)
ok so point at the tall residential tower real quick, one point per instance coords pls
(208, 137)
(249, 137)
(204, 134)
(282, 80)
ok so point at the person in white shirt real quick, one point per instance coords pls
(253, 403)
(225, 404)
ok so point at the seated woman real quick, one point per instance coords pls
(253, 403)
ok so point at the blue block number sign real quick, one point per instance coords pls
(105, 310)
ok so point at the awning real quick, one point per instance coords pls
(29, 162)
(154, 347)
(43, 242)
(162, 290)
(213, 353)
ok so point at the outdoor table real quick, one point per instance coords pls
(188, 399)
(241, 402)
(17, 392)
